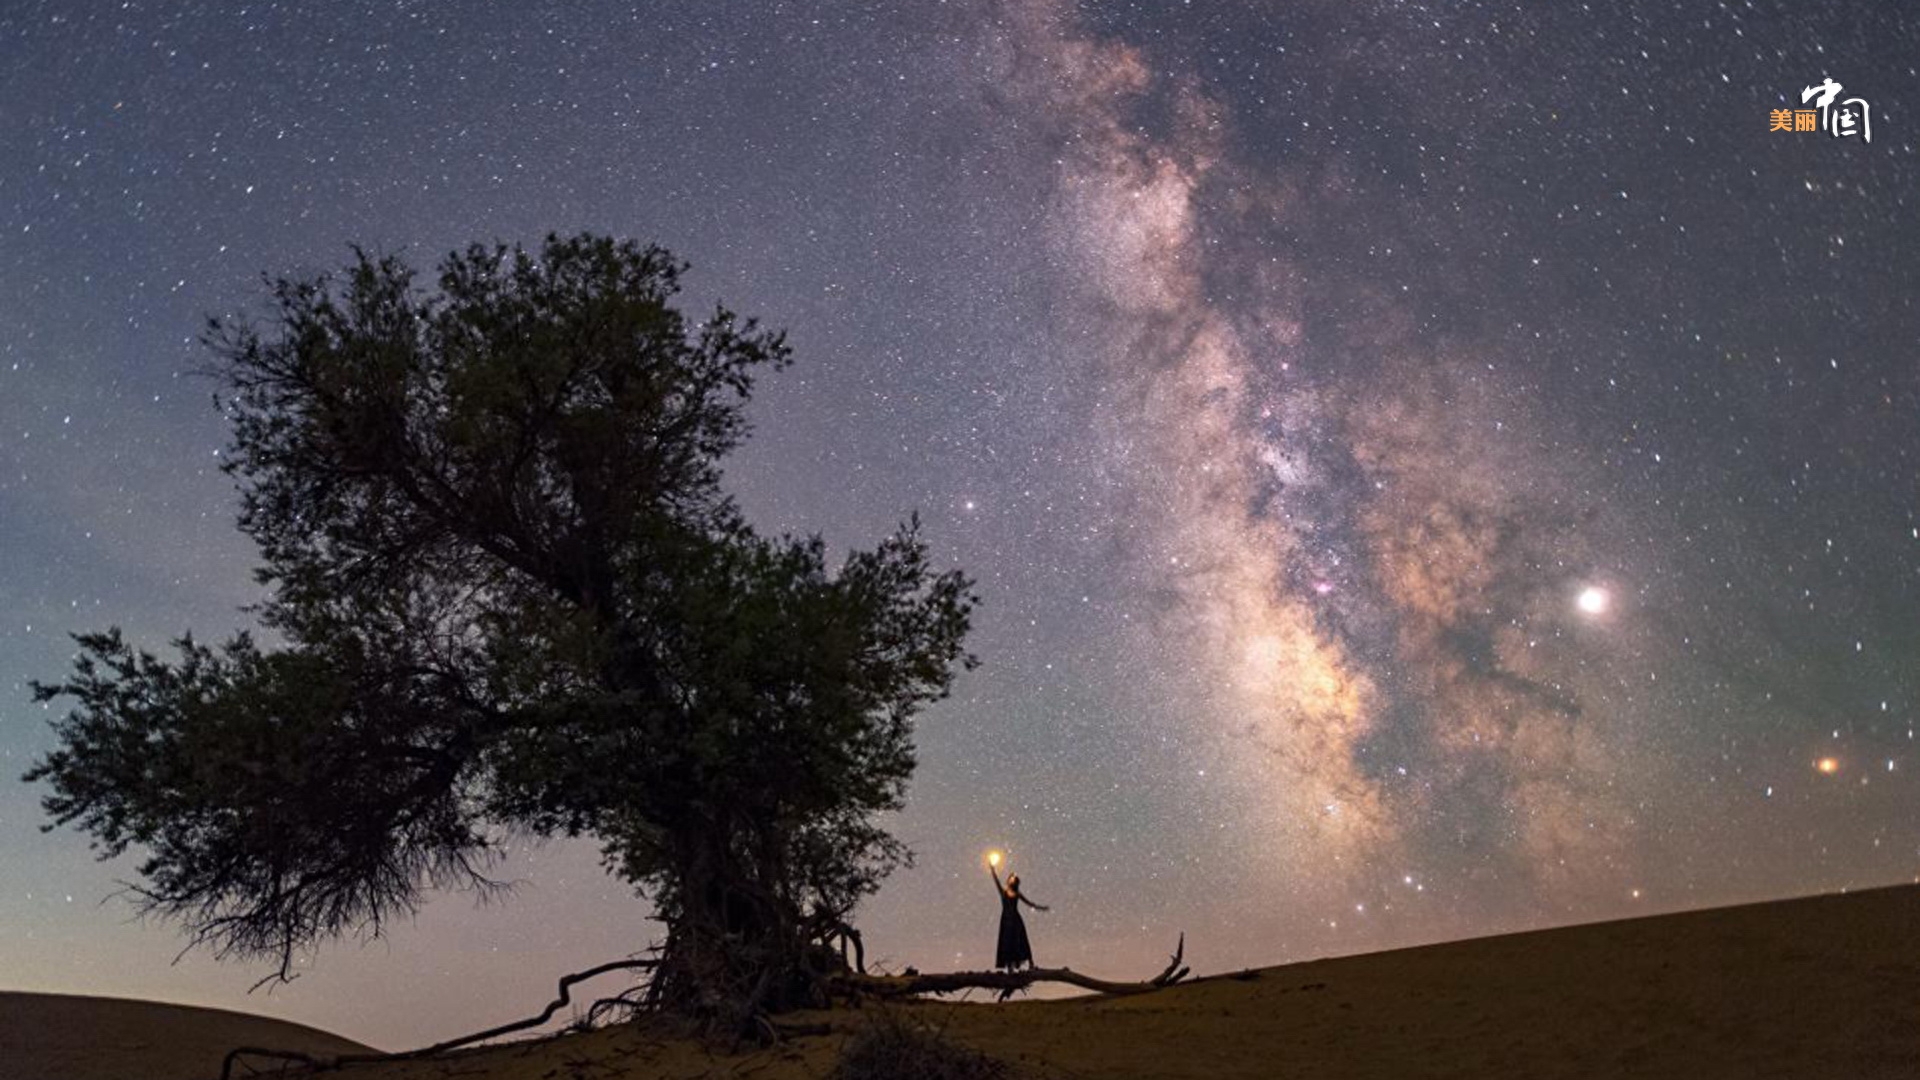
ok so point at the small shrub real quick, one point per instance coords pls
(893, 1047)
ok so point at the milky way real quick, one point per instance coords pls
(1357, 561)
(1208, 451)
(1431, 469)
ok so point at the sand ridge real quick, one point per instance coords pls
(1819, 987)
(78, 1037)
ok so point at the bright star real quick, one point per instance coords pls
(1593, 600)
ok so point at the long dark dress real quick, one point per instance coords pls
(1014, 948)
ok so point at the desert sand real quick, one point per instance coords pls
(1819, 987)
(70, 1037)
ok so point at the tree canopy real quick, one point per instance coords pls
(514, 597)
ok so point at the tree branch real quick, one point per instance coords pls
(891, 986)
(564, 998)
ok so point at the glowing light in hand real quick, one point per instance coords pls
(993, 858)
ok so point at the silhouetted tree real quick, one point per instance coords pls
(514, 599)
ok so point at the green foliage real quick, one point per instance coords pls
(513, 597)
(276, 800)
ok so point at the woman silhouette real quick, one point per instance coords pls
(1014, 948)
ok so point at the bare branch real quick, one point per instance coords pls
(564, 998)
(891, 986)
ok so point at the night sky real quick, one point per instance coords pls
(1432, 469)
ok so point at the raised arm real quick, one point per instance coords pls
(997, 887)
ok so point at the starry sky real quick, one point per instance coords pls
(1432, 469)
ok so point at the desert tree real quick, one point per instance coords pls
(512, 598)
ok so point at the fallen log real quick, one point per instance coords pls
(894, 986)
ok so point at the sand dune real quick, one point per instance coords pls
(1819, 987)
(70, 1037)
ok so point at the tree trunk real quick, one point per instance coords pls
(735, 951)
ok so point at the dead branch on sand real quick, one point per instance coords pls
(893, 986)
(564, 998)
(853, 983)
